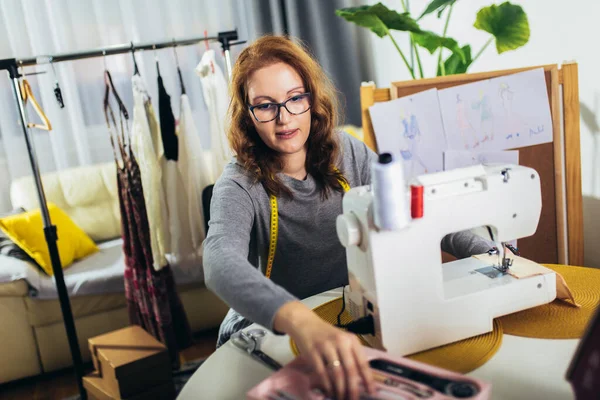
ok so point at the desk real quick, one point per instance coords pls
(523, 368)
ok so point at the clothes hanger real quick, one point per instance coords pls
(212, 66)
(110, 116)
(108, 112)
(27, 95)
(206, 40)
(108, 86)
(156, 60)
(178, 69)
(57, 91)
(135, 66)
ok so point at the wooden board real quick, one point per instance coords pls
(559, 237)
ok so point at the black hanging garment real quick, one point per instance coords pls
(167, 121)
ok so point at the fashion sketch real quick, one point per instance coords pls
(467, 131)
(410, 154)
(486, 117)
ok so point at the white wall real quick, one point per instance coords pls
(560, 32)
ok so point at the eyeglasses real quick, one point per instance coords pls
(267, 112)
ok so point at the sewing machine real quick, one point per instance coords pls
(397, 276)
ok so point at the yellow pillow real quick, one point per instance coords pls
(27, 231)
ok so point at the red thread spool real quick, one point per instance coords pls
(416, 201)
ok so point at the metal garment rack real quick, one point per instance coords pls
(12, 65)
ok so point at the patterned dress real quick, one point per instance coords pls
(152, 299)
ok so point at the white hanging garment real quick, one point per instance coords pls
(195, 168)
(181, 246)
(215, 90)
(146, 144)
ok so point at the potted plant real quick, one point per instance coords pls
(506, 23)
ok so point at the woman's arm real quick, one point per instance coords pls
(465, 244)
(233, 278)
(227, 270)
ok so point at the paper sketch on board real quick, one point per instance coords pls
(462, 158)
(502, 113)
(411, 128)
(411, 154)
(472, 138)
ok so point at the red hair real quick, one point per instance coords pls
(322, 143)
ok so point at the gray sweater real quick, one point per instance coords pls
(309, 258)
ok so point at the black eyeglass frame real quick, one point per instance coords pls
(279, 105)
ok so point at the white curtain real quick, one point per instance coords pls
(35, 27)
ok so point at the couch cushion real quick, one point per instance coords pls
(18, 288)
(7, 246)
(45, 312)
(27, 231)
(87, 194)
(14, 274)
(20, 357)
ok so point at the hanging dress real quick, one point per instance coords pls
(173, 184)
(215, 90)
(195, 167)
(146, 144)
(152, 299)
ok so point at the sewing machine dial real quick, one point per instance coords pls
(348, 229)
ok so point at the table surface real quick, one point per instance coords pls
(523, 368)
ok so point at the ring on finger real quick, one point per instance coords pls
(334, 364)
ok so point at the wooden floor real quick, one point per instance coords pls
(62, 384)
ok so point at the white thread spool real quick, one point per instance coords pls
(389, 193)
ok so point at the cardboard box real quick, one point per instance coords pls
(129, 361)
(97, 390)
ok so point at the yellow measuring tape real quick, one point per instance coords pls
(275, 228)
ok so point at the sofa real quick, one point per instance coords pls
(32, 335)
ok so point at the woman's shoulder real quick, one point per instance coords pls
(235, 175)
(353, 149)
(355, 159)
(351, 133)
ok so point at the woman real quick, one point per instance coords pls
(283, 120)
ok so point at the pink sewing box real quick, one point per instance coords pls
(396, 378)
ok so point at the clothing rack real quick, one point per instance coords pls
(12, 65)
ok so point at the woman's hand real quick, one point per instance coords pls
(337, 359)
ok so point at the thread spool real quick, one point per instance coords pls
(416, 201)
(389, 193)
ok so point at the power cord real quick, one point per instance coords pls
(362, 326)
(339, 317)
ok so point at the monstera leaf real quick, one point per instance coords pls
(432, 42)
(379, 19)
(507, 23)
(455, 64)
(437, 5)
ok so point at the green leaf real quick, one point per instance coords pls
(436, 5)
(455, 65)
(364, 18)
(379, 19)
(507, 23)
(432, 42)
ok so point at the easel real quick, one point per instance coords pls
(559, 237)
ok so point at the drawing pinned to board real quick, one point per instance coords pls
(460, 158)
(513, 121)
(411, 128)
(507, 112)
(483, 107)
(465, 127)
(411, 154)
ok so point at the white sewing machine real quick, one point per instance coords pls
(397, 275)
